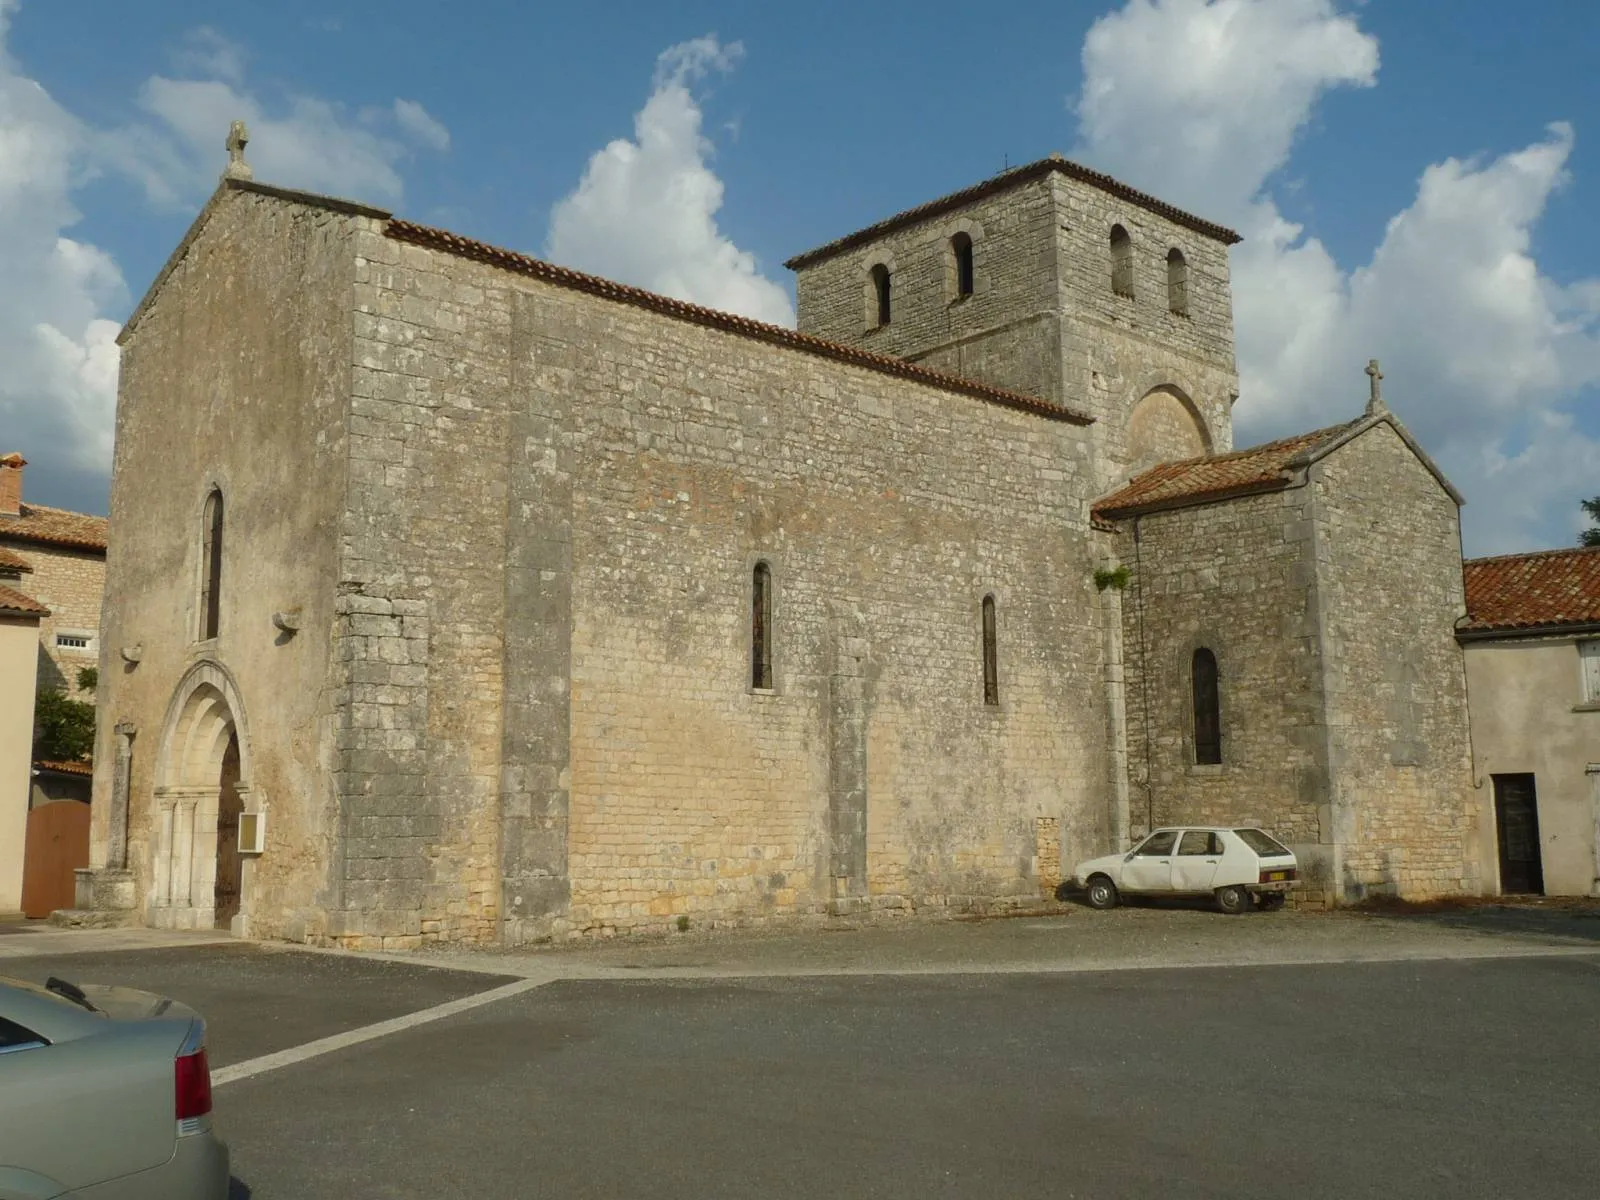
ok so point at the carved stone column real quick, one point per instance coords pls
(121, 777)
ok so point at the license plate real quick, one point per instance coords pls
(1276, 876)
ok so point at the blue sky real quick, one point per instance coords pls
(1410, 186)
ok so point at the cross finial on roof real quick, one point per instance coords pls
(238, 137)
(1375, 401)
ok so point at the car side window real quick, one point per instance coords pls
(1198, 841)
(1160, 843)
(15, 1037)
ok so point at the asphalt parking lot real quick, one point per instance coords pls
(1461, 1066)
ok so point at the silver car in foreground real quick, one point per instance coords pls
(105, 1094)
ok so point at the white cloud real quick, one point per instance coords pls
(645, 211)
(58, 385)
(59, 295)
(1201, 101)
(206, 52)
(420, 125)
(300, 141)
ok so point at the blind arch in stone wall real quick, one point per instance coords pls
(1165, 426)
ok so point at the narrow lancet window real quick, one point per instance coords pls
(880, 289)
(1121, 261)
(961, 250)
(1177, 282)
(761, 627)
(991, 655)
(1207, 708)
(211, 567)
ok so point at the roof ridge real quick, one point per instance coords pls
(454, 243)
(65, 512)
(999, 182)
(1526, 554)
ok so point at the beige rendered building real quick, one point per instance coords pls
(19, 651)
(455, 595)
(1532, 647)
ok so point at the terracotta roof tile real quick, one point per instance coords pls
(11, 561)
(1011, 178)
(66, 768)
(1527, 591)
(777, 335)
(14, 604)
(55, 526)
(1214, 476)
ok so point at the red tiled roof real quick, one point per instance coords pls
(1011, 178)
(55, 526)
(1528, 591)
(10, 561)
(777, 335)
(66, 768)
(14, 604)
(1214, 476)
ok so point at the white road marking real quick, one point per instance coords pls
(354, 1037)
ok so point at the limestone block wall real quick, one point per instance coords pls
(872, 773)
(574, 729)
(422, 597)
(69, 583)
(1405, 816)
(1236, 578)
(236, 373)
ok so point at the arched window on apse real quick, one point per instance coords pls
(1207, 707)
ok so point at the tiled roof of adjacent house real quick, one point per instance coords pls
(777, 335)
(14, 604)
(55, 526)
(66, 768)
(10, 561)
(1011, 178)
(1531, 591)
(1262, 468)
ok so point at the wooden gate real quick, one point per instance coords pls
(1517, 821)
(58, 844)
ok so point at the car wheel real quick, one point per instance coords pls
(1102, 893)
(1271, 901)
(1233, 900)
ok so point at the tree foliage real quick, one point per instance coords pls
(63, 729)
(1591, 535)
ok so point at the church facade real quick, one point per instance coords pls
(453, 595)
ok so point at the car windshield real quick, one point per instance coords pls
(1261, 843)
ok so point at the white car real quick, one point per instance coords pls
(1237, 866)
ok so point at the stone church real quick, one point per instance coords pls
(455, 595)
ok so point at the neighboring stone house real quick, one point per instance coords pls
(1532, 646)
(476, 598)
(57, 558)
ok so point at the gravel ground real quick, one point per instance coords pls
(1073, 939)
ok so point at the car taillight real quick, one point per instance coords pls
(191, 1078)
(192, 1075)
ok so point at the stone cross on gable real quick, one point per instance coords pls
(1375, 402)
(237, 168)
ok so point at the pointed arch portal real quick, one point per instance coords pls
(202, 785)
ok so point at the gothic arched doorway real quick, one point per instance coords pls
(199, 879)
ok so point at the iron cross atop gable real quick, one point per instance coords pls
(238, 138)
(1375, 401)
